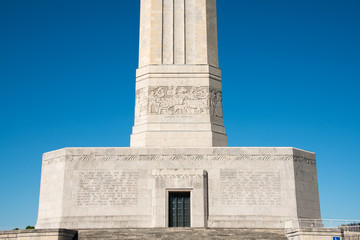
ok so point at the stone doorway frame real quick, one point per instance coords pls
(179, 180)
(167, 204)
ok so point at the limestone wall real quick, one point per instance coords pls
(129, 187)
(178, 32)
(351, 235)
(36, 234)
(178, 106)
(307, 192)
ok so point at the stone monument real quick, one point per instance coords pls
(178, 83)
(178, 171)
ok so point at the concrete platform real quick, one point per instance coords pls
(148, 234)
(174, 234)
(39, 234)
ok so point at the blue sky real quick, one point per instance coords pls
(291, 72)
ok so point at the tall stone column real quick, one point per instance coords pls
(178, 82)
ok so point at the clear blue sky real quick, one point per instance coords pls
(291, 72)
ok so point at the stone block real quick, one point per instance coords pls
(128, 187)
(314, 234)
(36, 234)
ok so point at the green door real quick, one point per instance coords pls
(179, 209)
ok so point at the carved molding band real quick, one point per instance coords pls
(179, 173)
(179, 100)
(160, 157)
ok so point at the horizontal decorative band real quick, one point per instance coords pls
(178, 100)
(180, 157)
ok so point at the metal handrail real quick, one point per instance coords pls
(344, 224)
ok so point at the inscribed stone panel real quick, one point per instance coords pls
(250, 188)
(107, 188)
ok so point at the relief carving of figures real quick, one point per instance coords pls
(141, 102)
(178, 100)
(216, 103)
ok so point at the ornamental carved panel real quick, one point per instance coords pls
(178, 100)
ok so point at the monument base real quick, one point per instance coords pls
(94, 188)
(149, 234)
(42, 234)
(316, 233)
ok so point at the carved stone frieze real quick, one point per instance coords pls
(178, 100)
(180, 157)
(178, 173)
(185, 176)
(304, 160)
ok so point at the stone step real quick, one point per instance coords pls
(182, 233)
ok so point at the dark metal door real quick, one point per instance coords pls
(179, 209)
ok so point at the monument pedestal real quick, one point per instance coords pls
(39, 234)
(89, 188)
